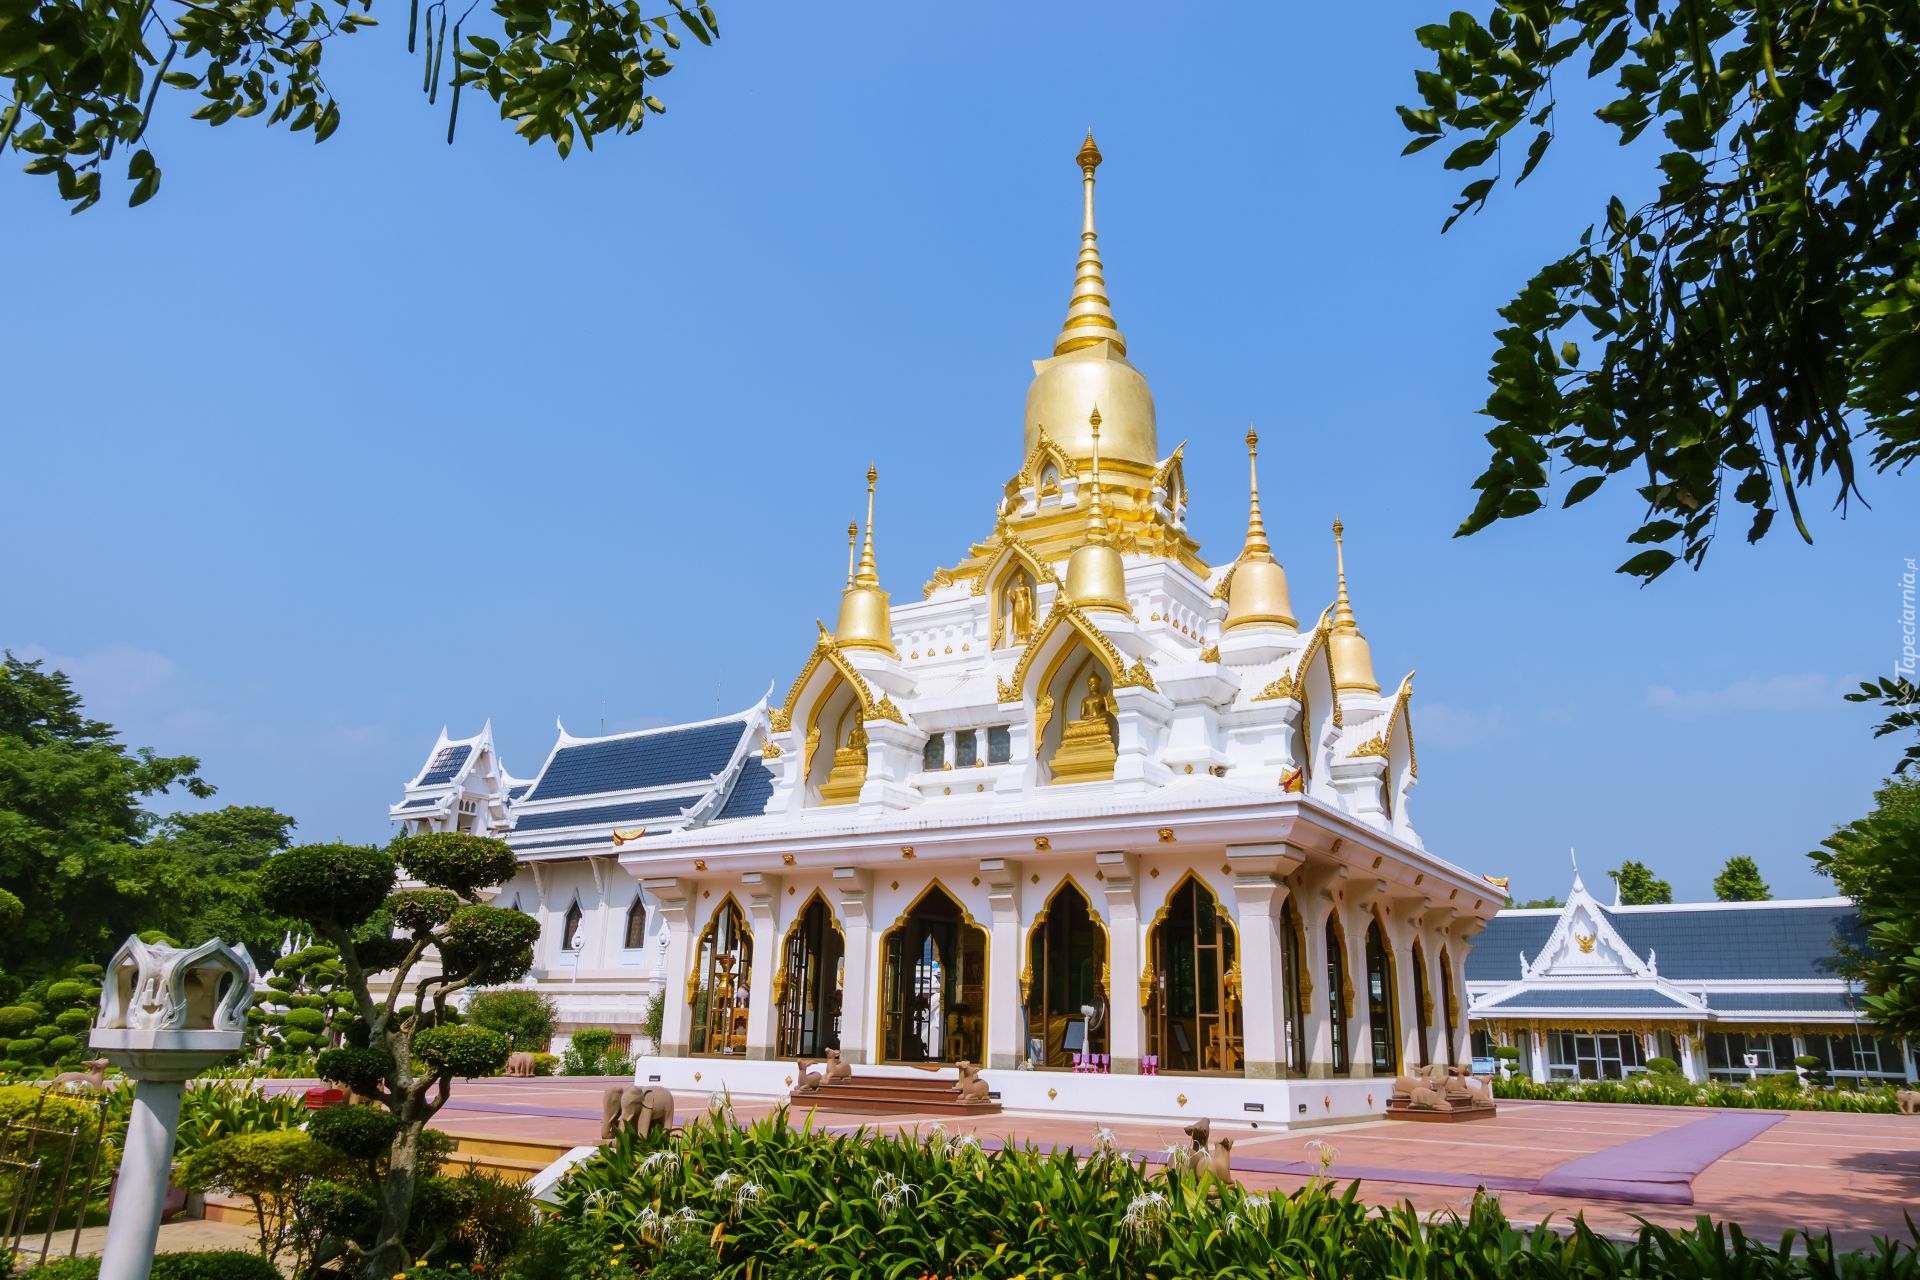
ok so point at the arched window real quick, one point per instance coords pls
(636, 923)
(806, 986)
(571, 938)
(1064, 985)
(1291, 971)
(1422, 1004)
(1193, 1009)
(1339, 991)
(934, 984)
(720, 983)
(1380, 1002)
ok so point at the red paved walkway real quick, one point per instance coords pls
(1853, 1174)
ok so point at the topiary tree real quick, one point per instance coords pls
(305, 1008)
(402, 1047)
(524, 1017)
(48, 1027)
(586, 1053)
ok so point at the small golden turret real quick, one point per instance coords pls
(1347, 649)
(1096, 578)
(1258, 593)
(866, 622)
(1089, 314)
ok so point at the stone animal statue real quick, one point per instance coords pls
(837, 1071)
(1427, 1098)
(1199, 1131)
(810, 1080)
(1908, 1101)
(971, 1087)
(92, 1080)
(640, 1109)
(1219, 1162)
(519, 1064)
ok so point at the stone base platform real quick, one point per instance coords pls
(1461, 1112)
(891, 1096)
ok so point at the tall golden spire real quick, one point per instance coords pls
(1096, 576)
(1089, 314)
(869, 576)
(853, 544)
(866, 622)
(1347, 650)
(1258, 592)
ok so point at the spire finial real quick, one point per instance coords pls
(1256, 528)
(868, 575)
(1097, 518)
(1343, 608)
(853, 542)
(1089, 314)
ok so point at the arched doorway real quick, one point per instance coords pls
(934, 984)
(1422, 1004)
(1339, 991)
(722, 979)
(806, 987)
(1380, 1002)
(1291, 971)
(1064, 988)
(1193, 1010)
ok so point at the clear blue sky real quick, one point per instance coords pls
(328, 446)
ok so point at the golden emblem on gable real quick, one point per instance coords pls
(1585, 942)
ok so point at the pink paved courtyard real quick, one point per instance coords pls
(1855, 1175)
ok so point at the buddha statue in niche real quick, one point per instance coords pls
(1087, 750)
(849, 772)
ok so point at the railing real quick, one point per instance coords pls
(42, 1180)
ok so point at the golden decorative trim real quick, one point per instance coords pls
(1042, 843)
(778, 720)
(1210, 654)
(1284, 687)
(1166, 835)
(628, 836)
(827, 649)
(1401, 698)
(1374, 746)
(1585, 942)
(769, 750)
(699, 864)
(1136, 677)
(885, 710)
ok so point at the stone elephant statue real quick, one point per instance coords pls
(639, 1108)
(519, 1064)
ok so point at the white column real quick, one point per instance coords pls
(1126, 1026)
(1260, 898)
(1312, 899)
(1004, 960)
(1537, 1046)
(763, 915)
(1907, 1062)
(134, 1227)
(856, 996)
(676, 898)
(1354, 919)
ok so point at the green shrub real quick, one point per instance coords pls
(1663, 1066)
(1673, 1091)
(545, 1064)
(362, 1133)
(15, 1019)
(1507, 1052)
(586, 1053)
(224, 1264)
(463, 863)
(525, 1017)
(73, 1021)
(272, 1170)
(464, 1052)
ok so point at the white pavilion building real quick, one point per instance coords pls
(1090, 801)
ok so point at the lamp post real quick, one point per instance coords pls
(166, 1014)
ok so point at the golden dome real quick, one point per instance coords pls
(1096, 577)
(1089, 364)
(1347, 650)
(1258, 593)
(866, 621)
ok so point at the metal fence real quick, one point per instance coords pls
(49, 1176)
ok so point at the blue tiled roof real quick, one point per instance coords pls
(605, 814)
(1735, 943)
(445, 763)
(1589, 998)
(1732, 1002)
(751, 791)
(422, 802)
(584, 837)
(1495, 956)
(1722, 943)
(514, 793)
(647, 760)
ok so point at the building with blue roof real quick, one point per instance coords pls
(1729, 990)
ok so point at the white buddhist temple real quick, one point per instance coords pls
(1122, 824)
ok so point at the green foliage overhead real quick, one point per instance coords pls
(461, 1052)
(1876, 862)
(526, 1018)
(84, 79)
(1739, 881)
(1532, 904)
(72, 812)
(328, 884)
(1638, 888)
(1749, 332)
(417, 909)
(490, 944)
(205, 869)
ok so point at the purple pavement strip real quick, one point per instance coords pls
(1660, 1168)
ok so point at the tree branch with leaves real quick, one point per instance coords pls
(404, 1046)
(82, 78)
